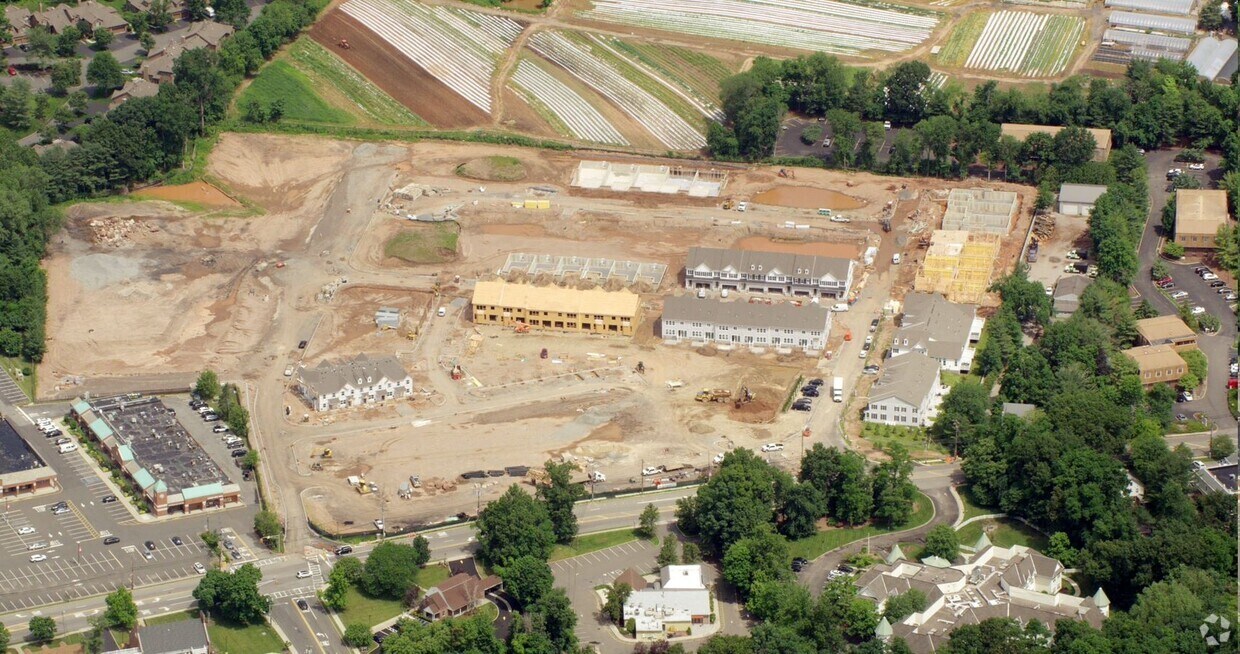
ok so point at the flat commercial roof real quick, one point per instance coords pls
(15, 454)
(1021, 131)
(160, 445)
(1200, 211)
(556, 299)
(1081, 193)
(1162, 327)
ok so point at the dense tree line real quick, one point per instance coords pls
(1154, 105)
(141, 139)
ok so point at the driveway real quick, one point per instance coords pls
(1212, 401)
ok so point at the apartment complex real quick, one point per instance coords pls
(782, 326)
(907, 394)
(1158, 364)
(944, 331)
(768, 272)
(354, 382)
(1167, 330)
(980, 210)
(992, 582)
(592, 311)
(1198, 216)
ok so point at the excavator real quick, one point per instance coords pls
(743, 397)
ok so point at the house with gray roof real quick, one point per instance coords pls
(206, 34)
(354, 382)
(180, 637)
(783, 326)
(768, 272)
(1013, 582)
(1066, 297)
(907, 394)
(944, 331)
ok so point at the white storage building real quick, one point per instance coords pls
(1079, 199)
(1212, 57)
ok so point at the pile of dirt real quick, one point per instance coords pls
(493, 169)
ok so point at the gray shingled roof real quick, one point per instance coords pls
(908, 377)
(810, 317)
(330, 377)
(173, 637)
(932, 323)
(744, 261)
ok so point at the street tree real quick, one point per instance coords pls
(122, 611)
(646, 523)
(763, 556)
(357, 635)
(667, 552)
(560, 495)
(554, 616)
(527, 579)
(894, 492)
(735, 503)
(233, 596)
(42, 629)
(1222, 446)
(513, 526)
(5, 636)
(65, 74)
(393, 567)
(267, 525)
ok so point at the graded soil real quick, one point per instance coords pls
(200, 193)
(805, 197)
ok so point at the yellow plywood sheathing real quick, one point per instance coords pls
(958, 264)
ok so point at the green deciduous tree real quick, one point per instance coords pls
(267, 524)
(42, 629)
(894, 492)
(5, 636)
(761, 557)
(208, 385)
(613, 608)
(104, 72)
(122, 612)
(357, 635)
(65, 74)
(646, 523)
(906, 84)
(553, 615)
(942, 542)
(527, 579)
(803, 505)
(690, 553)
(735, 503)
(475, 635)
(668, 552)
(392, 567)
(513, 526)
(1222, 446)
(233, 596)
(560, 494)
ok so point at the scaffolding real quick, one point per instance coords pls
(959, 265)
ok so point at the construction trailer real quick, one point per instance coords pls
(959, 265)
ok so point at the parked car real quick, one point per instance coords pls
(810, 391)
(840, 219)
(870, 370)
(1218, 283)
(816, 382)
(108, 499)
(1196, 166)
(344, 549)
(1209, 277)
(150, 545)
(802, 405)
(210, 417)
(650, 471)
(54, 433)
(772, 447)
(799, 563)
(301, 345)
(1230, 296)
(865, 352)
(25, 530)
(200, 568)
(1197, 311)
(303, 574)
(1180, 417)
(239, 452)
(1185, 396)
(176, 540)
(874, 325)
(36, 558)
(219, 429)
(1179, 295)
(1200, 270)
(111, 540)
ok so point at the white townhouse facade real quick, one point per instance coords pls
(362, 380)
(944, 331)
(907, 394)
(782, 326)
(768, 272)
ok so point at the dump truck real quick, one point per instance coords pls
(713, 395)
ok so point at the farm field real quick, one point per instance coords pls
(561, 106)
(1021, 42)
(847, 28)
(281, 82)
(673, 118)
(358, 95)
(962, 39)
(457, 47)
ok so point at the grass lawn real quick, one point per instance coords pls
(71, 639)
(832, 538)
(494, 169)
(280, 80)
(14, 366)
(972, 508)
(430, 243)
(370, 611)
(235, 639)
(913, 439)
(592, 543)
(489, 611)
(1003, 532)
(432, 575)
(170, 617)
(367, 102)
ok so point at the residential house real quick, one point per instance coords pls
(206, 34)
(20, 20)
(354, 382)
(679, 601)
(98, 16)
(1079, 199)
(907, 394)
(158, 65)
(980, 210)
(1067, 294)
(1167, 330)
(593, 311)
(460, 594)
(944, 331)
(1019, 131)
(1158, 364)
(176, 8)
(768, 272)
(1008, 582)
(1198, 216)
(134, 88)
(783, 326)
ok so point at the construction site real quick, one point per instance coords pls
(314, 279)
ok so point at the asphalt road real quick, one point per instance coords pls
(1212, 400)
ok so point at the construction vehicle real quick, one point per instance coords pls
(886, 223)
(727, 204)
(344, 43)
(520, 328)
(316, 466)
(457, 373)
(743, 397)
(641, 368)
(325, 454)
(713, 395)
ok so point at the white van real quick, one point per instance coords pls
(68, 447)
(895, 258)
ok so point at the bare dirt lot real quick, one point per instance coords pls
(148, 287)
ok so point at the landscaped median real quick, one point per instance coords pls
(837, 537)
